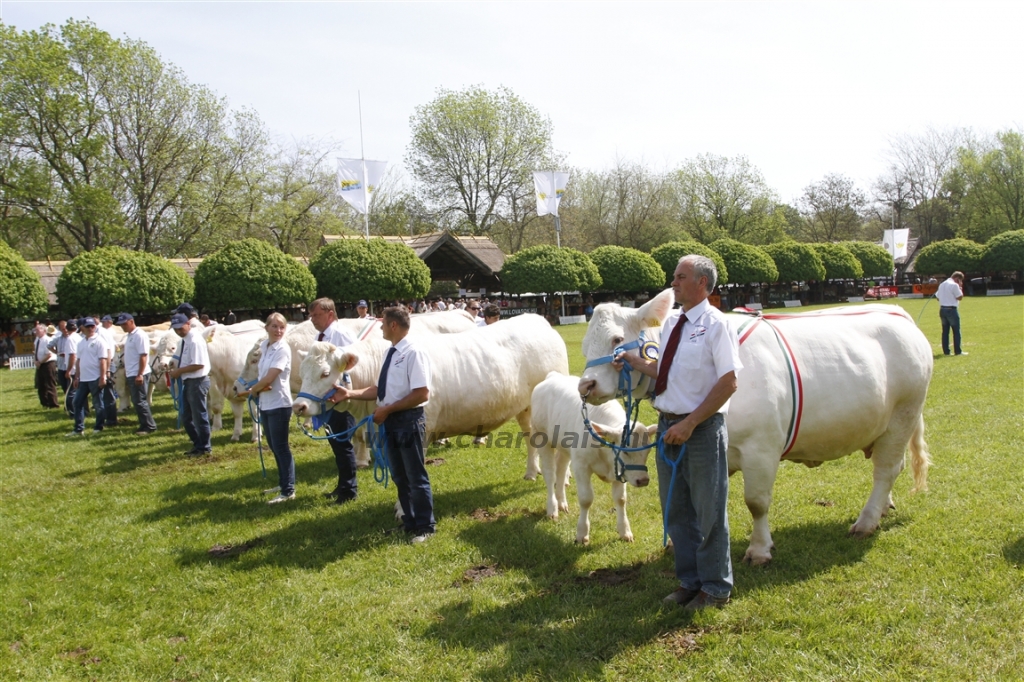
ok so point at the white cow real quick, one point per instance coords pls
(228, 345)
(556, 414)
(814, 387)
(480, 378)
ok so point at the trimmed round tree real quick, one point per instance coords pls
(942, 258)
(111, 279)
(1004, 252)
(747, 264)
(839, 261)
(252, 274)
(22, 294)
(351, 269)
(668, 254)
(544, 269)
(627, 270)
(796, 262)
(874, 260)
(590, 278)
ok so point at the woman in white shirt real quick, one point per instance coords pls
(275, 369)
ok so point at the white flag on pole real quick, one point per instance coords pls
(549, 187)
(350, 181)
(895, 242)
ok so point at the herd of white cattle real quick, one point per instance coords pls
(815, 387)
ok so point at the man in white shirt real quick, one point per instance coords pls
(91, 367)
(194, 370)
(66, 348)
(695, 377)
(362, 310)
(324, 317)
(402, 390)
(949, 294)
(46, 368)
(104, 331)
(137, 372)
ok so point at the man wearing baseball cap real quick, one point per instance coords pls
(194, 370)
(137, 372)
(361, 310)
(91, 366)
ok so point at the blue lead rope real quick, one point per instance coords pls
(253, 403)
(674, 464)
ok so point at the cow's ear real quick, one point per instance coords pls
(302, 355)
(654, 312)
(342, 360)
(353, 360)
(604, 431)
(652, 430)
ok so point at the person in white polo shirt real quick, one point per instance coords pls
(91, 365)
(194, 370)
(137, 372)
(949, 294)
(272, 387)
(104, 331)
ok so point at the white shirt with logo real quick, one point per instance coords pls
(409, 370)
(136, 344)
(195, 352)
(90, 351)
(276, 356)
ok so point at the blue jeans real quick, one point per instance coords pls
(110, 403)
(697, 520)
(82, 393)
(405, 433)
(275, 425)
(194, 414)
(950, 320)
(139, 394)
(344, 454)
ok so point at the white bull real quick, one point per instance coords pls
(814, 387)
(227, 347)
(480, 378)
(564, 441)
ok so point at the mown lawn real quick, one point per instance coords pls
(106, 573)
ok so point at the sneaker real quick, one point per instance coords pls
(191, 453)
(963, 353)
(680, 597)
(421, 537)
(143, 432)
(73, 434)
(706, 601)
(97, 430)
(282, 498)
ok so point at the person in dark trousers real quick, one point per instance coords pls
(46, 368)
(949, 293)
(137, 372)
(402, 389)
(91, 366)
(694, 378)
(194, 370)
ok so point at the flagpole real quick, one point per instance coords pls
(362, 158)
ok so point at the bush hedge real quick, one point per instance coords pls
(746, 264)
(668, 254)
(796, 262)
(942, 258)
(1004, 252)
(351, 269)
(627, 270)
(839, 261)
(22, 294)
(874, 260)
(111, 279)
(544, 269)
(251, 274)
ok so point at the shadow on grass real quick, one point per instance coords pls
(570, 623)
(1013, 552)
(312, 543)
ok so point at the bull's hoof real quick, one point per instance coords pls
(628, 537)
(361, 465)
(552, 516)
(563, 506)
(583, 541)
(529, 477)
(755, 558)
(862, 531)
(235, 439)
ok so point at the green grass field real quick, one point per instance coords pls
(106, 573)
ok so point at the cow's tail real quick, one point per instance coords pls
(920, 460)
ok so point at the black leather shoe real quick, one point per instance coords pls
(706, 601)
(331, 495)
(680, 597)
(344, 499)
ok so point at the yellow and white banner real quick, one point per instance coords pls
(895, 242)
(549, 187)
(358, 179)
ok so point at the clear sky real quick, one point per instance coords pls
(800, 88)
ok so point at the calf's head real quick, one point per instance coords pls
(320, 371)
(631, 465)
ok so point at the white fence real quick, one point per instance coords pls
(22, 362)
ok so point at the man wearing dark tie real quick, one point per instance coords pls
(694, 379)
(324, 317)
(401, 392)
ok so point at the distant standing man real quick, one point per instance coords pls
(401, 392)
(694, 379)
(949, 294)
(137, 372)
(362, 311)
(324, 317)
(194, 370)
(91, 367)
(46, 369)
(109, 396)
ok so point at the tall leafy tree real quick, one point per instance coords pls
(472, 151)
(1004, 252)
(718, 197)
(990, 179)
(545, 268)
(942, 258)
(832, 209)
(667, 255)
(22, 293)
(839, 261)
